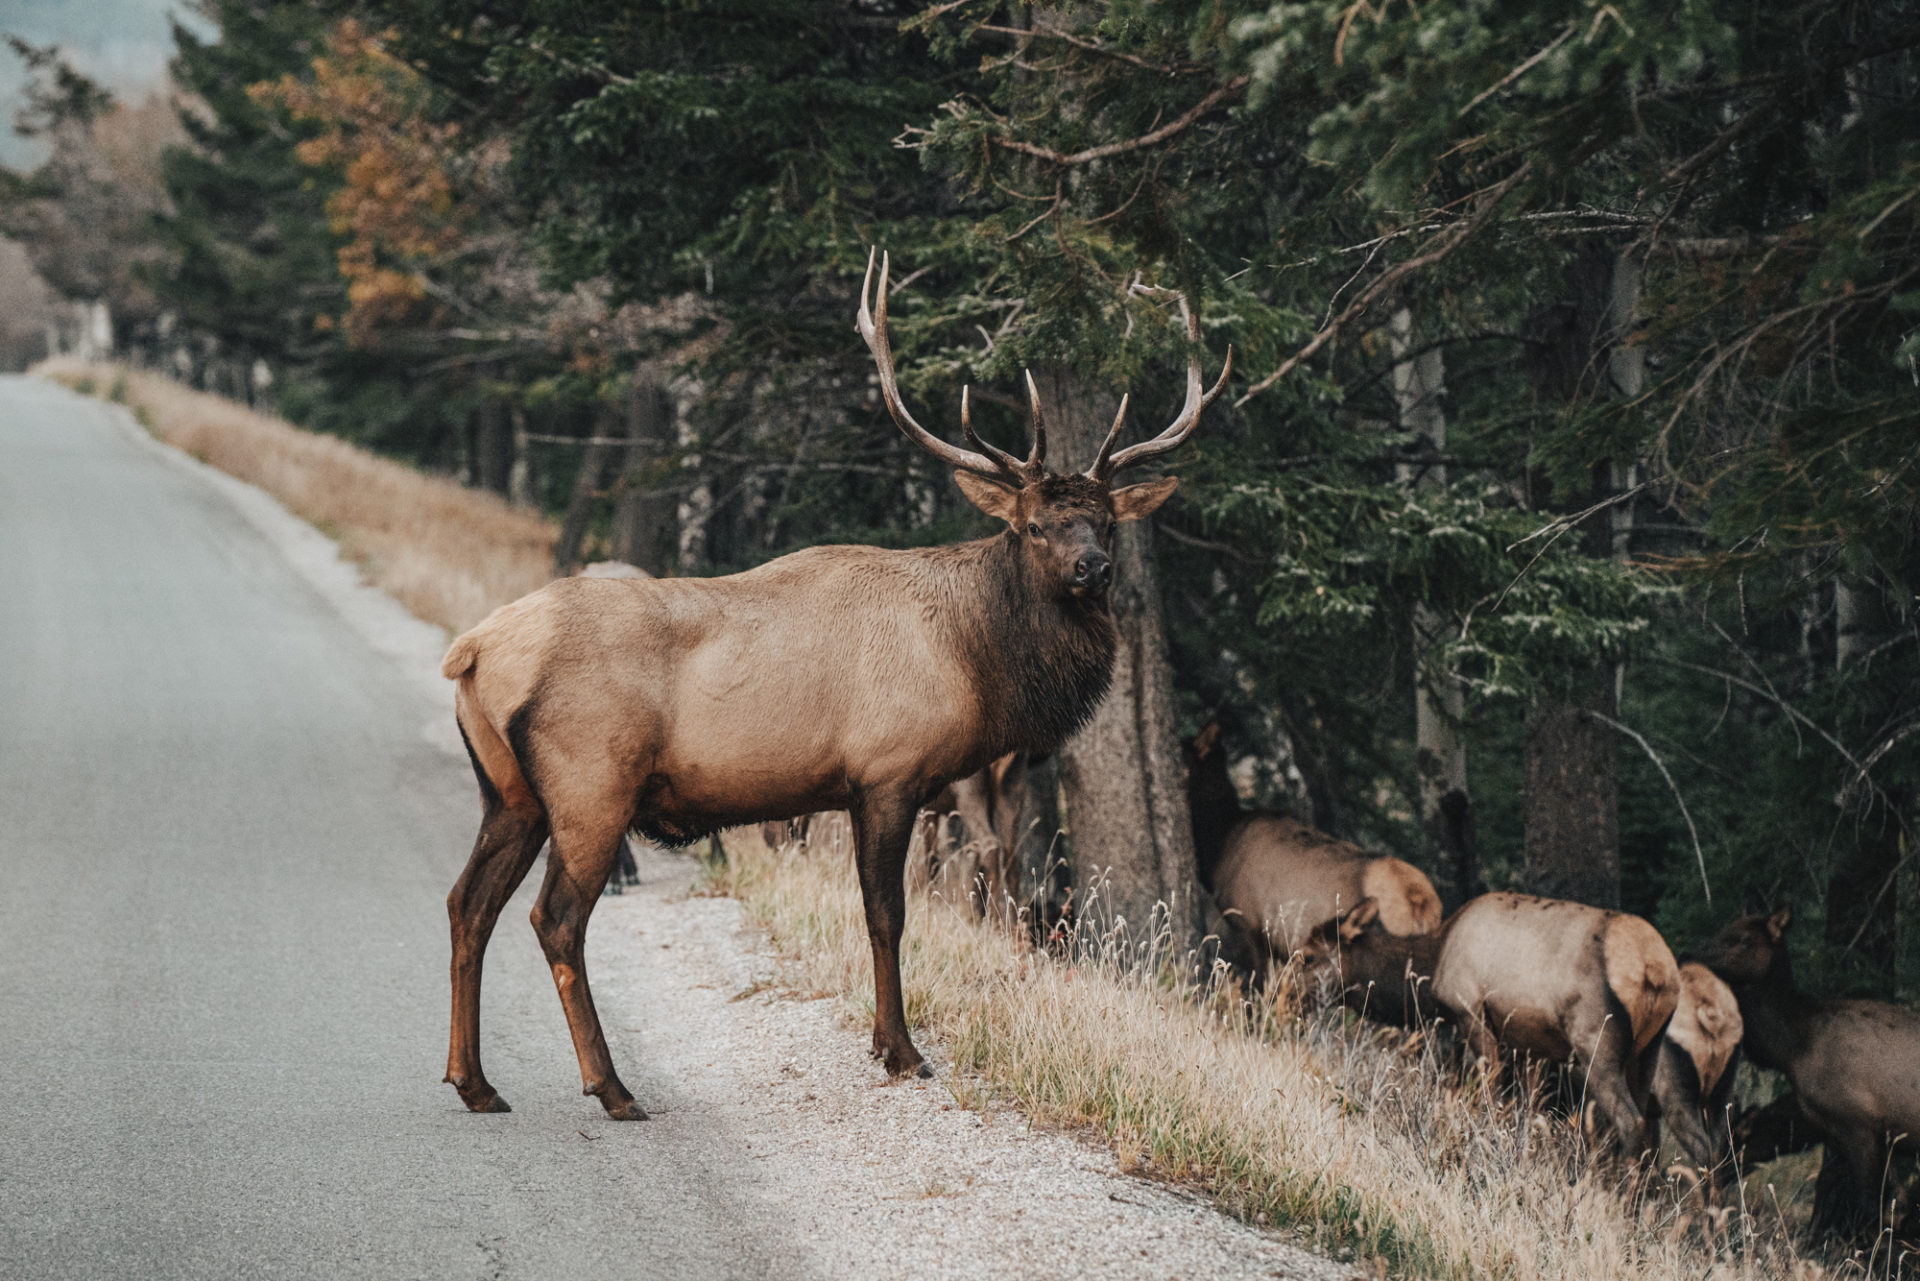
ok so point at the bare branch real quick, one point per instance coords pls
(1166, 69)
(1460, 233)
(1517, 72)
(1661, 765)
(1232, 89)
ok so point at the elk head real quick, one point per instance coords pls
(1065, 523)
(1750, 948)
(1386, 976)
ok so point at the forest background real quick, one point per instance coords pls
(1557, 529)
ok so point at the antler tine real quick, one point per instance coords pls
(1008, 465)
(873, 328)
(1105, 467)
(1101, 468)
(1036, 464)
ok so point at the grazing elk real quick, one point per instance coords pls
(988, 804)
(787, 831)
(1275, 878)
(1570, 983)
(847, 677)
(1693, 1067)
(1854, 1065)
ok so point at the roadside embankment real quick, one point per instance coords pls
(448, 553)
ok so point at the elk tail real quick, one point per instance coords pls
(461, 656)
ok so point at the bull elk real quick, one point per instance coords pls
(1275, 878)
(846, 677)
(1854, 1065)
(1570, 983)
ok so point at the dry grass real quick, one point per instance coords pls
(448, 553)
(1353, 1138)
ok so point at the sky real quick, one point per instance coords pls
(124, 44)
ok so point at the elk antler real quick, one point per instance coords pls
(1107, 464)
(990, 461)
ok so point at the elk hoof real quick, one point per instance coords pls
(484, 1100)
(905, 1064)
(628, 1111)
(477, 1095)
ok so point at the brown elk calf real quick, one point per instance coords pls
(1570, 983)
(1693, 1067)
(1275, 878)
(1854, 1065)
(849, 678)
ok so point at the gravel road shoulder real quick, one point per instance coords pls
(874, 1177)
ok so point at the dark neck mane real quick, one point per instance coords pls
(1042, 661)
(1776, 1013)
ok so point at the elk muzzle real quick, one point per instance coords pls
(1092, 573)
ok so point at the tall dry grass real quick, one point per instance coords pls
(448, 553)
(1354, 1138)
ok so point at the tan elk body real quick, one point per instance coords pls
(848, 678)
(1570, 983)
(1275, 878)
(1854, 1064)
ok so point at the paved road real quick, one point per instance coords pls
(224, 848)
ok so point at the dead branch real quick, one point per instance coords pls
(1673, 787)
(1232, 89)
(1459, 235)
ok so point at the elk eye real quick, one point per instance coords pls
(1033, 527)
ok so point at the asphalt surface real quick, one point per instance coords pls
(225, 843)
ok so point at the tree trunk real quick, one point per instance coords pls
(695, 507)
(1446, 805)
(1572, 797)
(645, 521)
(1862, 924)
(492, 442)
(1123, 777)
(588, 486)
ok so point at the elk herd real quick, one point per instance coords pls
(1647, 1040)
(889, 683)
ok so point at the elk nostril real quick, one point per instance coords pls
(1094, 569)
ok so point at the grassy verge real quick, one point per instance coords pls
(1358, 1141)
(448, 553)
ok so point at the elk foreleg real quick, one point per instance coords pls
(1850, 1197)
(882, 830)
(577, 870)
(509, 839)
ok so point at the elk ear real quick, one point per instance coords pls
(1777, 923)
(1137, 502)
(1357, 920)
(990, 496)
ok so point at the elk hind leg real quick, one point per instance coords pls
(510, 838)
(882, 830)
(1610, 1069)
(577, 871)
